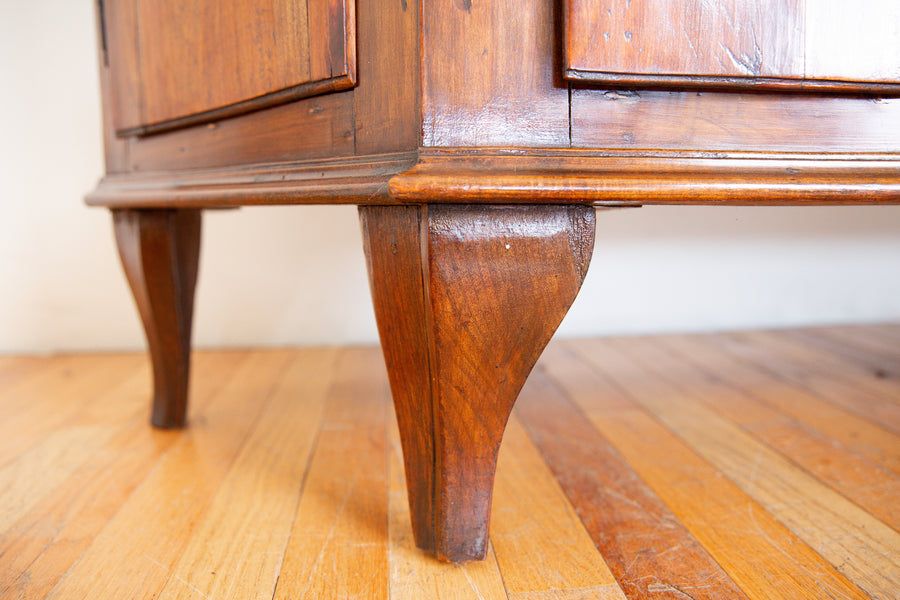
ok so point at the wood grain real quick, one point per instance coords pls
(857, 434)
(690, 469)
(455, 369)
(187, 476)
(727, 122)
(878, 406)
(320, 127)
(540, 544)
(413, 573)
(237, 547)
(338, 540)
(858, 544)
(205, 60)
(788, 45)
(23, 420)
(160, 252)
(46, 541)
(765, 558)
(357, 180)
(489, 75)
(648, 550)
(866, 483)
(622, 178)
(879, 358)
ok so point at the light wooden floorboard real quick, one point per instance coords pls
(756, 465)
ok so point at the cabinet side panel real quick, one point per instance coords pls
(119, 21)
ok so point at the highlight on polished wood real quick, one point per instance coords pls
(750, 465)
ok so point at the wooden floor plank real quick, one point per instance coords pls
(16, 369)
(665, 468)
(649, 551)
(415, 575)
(852, 432)
(860, 546)
(877, 358)
(816, 372)
(142, 541)
(874, 340)
(236, 549)
(338, 543)
(759, 553)
(540, 544)
(44, 543)
(877, 372)
(695, 365)
(69, 390)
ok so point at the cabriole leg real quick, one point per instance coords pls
(160, 250)
(466, 298)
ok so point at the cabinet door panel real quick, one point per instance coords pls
(180, 62)
(820, 45)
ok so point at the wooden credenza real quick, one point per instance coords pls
(477, 138)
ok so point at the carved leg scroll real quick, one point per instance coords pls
(466, 298)
(160, 251)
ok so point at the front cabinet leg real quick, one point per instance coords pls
(466, 297)
(160, 250)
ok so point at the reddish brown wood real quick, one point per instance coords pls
(358, 180)
(387, 102)
(792, 45)
(723, 122)
(456, 103)
(489, 74)
(306, 130)
(634, 530)
(204, 60)
(160, 251)
(630, 177)
(441, 278)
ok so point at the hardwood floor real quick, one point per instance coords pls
(757, 465)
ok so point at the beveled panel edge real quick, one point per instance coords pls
(298, 92)
(354, 180)
(675, 82)
(627, 178)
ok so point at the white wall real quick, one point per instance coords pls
(295, 275)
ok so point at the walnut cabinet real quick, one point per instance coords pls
(477, 138)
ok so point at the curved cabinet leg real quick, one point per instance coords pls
(466, 298)
(160, 250)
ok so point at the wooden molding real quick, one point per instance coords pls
(620, 178)
(358, 180)
(510, 176)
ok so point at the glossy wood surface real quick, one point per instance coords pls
(621, 178)
(476, 164)
(440, 275)
(600, 492)
(203, 60)
(160, 251)
(489, 75)
(379, 115)
(788, 45)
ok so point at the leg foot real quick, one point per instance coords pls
(466, 298)
(160, 251)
